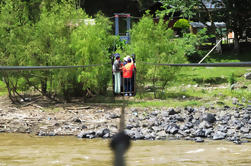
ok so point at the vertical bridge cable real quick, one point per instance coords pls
(120, 142)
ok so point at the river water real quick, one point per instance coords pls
(28, 150)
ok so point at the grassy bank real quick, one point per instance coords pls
(206, 86)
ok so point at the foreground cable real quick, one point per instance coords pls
(120, 143)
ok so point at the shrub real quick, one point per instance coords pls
(182, 26)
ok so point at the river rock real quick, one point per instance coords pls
(51, 133)
(42, 133)
(198, 139)
(237, 141)
(210, 118)
(235, 101)
(237, 115)
(183, 133)
(172, 129)
(77, 120)
(106, 133)
(189, 109)
(245, 129)
(205, 124)
(178, 118)
(114, 116)
(247, 136)
(189, 118)
(247, 75)
(161, 135)
(219, 135)
(172, 112)
(103, 132)
(223, 128)
(208, 132)
(86, 134)
(83, 127)
(138, 135)
(246, 116)
(226, 107)
(230, 132)
(249, 108)
(164, 113)
(155, 113)
(200, 133)
(189, 125)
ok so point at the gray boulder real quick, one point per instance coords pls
(247, 75)
(245, 129)
(172, 112)
(210, 118)
(219, 135)
(198, 139)
(200, 133)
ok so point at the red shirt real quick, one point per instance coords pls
(128, 70)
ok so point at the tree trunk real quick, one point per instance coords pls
(44, 86)
(236, 44)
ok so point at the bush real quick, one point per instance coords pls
(182, 26)
(191, 43)
(90, 45)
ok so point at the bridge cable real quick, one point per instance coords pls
(232, 64)
(47, 67)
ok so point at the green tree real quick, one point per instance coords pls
(236, 14)
(191, 9)
(15, 28)
(91, 44)
(59, 37)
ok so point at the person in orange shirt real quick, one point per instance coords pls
(127, 76)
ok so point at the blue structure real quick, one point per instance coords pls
(125, 37)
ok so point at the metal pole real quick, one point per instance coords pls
(116, 25)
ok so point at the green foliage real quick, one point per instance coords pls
(232, 79)
(154, 43)
(182, 24)
(185, 7)
(58, 37)
(191, 43)
(91, 44)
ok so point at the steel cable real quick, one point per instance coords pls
(233, 64)
(46, 67)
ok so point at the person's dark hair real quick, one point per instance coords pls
(129, 60)
(116, 55)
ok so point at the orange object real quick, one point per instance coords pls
(128, 70)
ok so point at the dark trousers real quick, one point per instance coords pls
(128, 85)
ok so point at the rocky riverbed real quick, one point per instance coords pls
(190, 123)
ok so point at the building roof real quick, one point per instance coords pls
(201, 25)
(210, 5)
